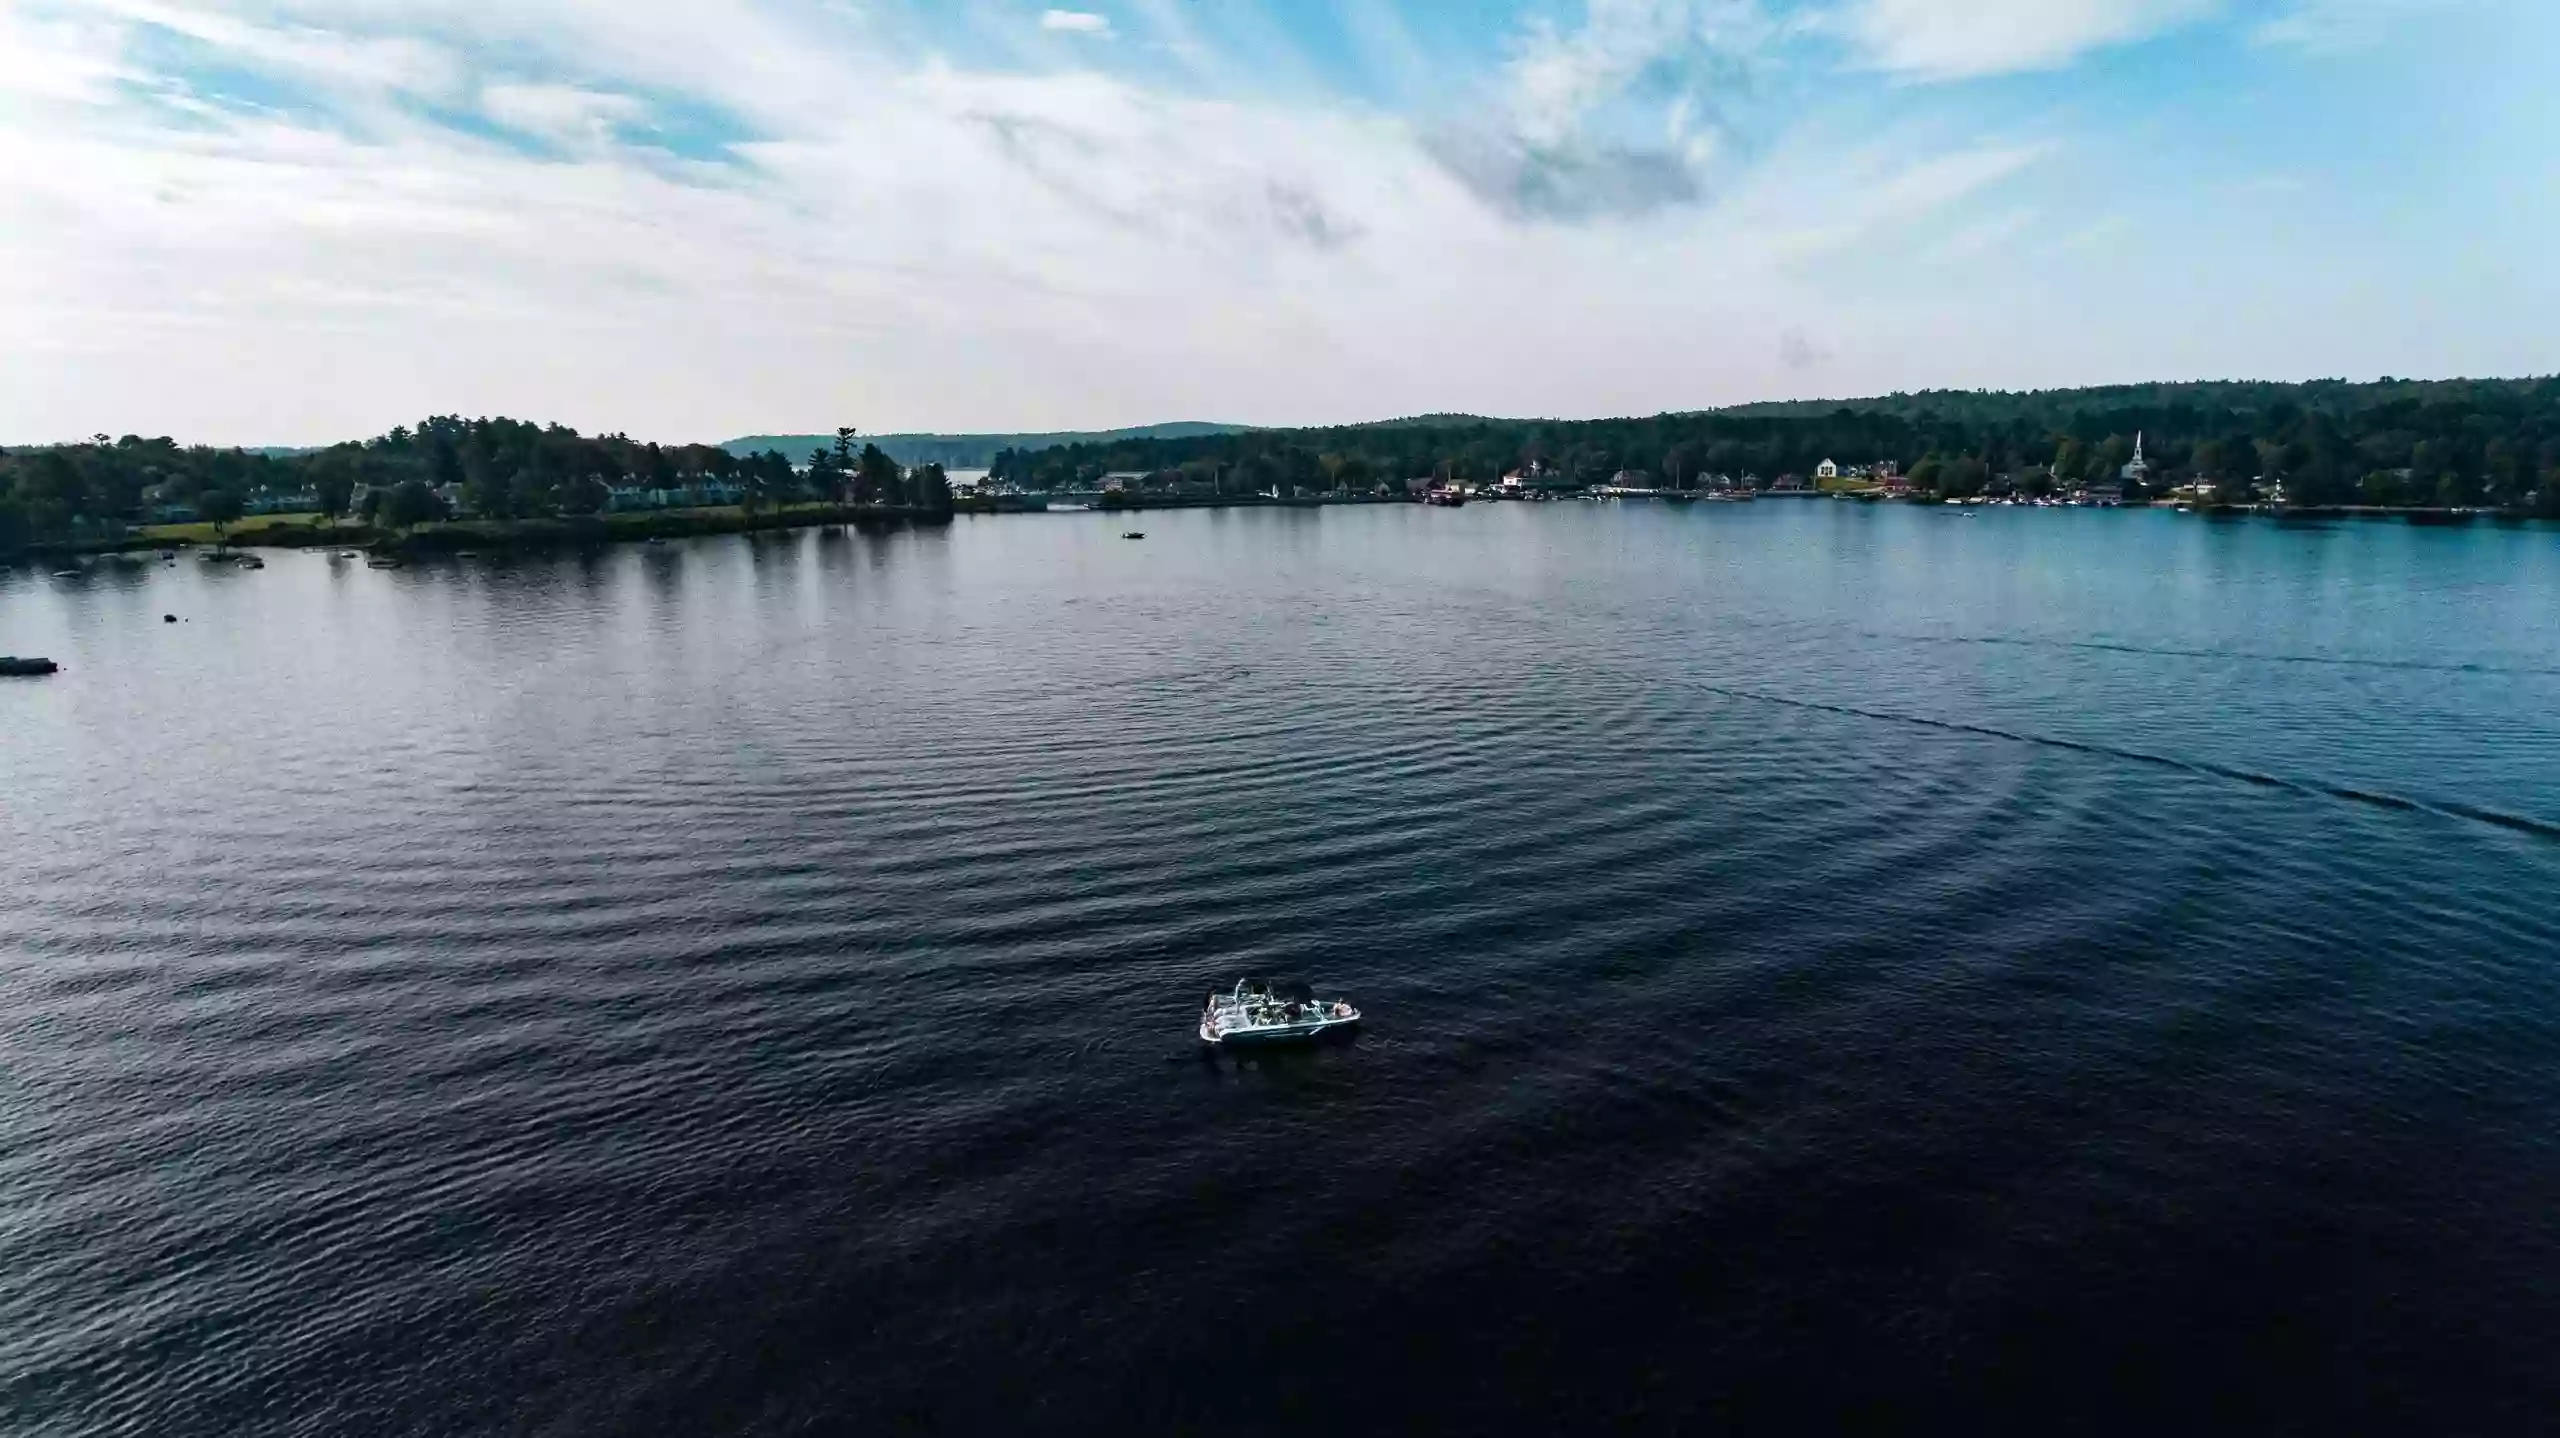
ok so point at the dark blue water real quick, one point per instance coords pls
(2042, 971)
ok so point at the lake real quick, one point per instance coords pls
(2024, 970)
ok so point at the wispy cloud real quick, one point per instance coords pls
(1981, 236)
(1962, 39)
(2337, 27)
(1075, 22)
(703, 216)
(568, 114)
(1621, 116)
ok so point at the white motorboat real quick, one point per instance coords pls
(1259, 1011)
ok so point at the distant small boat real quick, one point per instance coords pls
(466, 554)
(66, 574)
(383, 561)
(1133, 534)
(12, 665)
(653, 539)
(1259, 1011)
(251, 561)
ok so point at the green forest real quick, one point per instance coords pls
(2392, 443)
(973, 451)
(2388, 444)
(493, 469)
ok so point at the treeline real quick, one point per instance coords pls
(2391, 443)
(975, 451)
(493, 468)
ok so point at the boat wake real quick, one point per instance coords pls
(2242, 656)
(2516, 823)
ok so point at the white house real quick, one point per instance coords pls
(1826, 470)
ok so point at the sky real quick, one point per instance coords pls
(298, 221)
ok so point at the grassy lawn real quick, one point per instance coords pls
(203, 533)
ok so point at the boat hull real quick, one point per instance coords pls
(1276, 1036)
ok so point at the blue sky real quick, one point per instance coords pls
(279, 221)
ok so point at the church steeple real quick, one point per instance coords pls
(2140, 466)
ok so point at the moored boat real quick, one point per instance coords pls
(1259, 1011)
(13, 666)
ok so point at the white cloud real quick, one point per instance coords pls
(2337, 27)
(1962, 39)
(562, 114)
(1556, 77)
(981, 240)
(971, 248)
(76, 59)
(1075, 22)
(1981, 236)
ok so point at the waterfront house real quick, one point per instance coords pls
(623, 499)
(267, 501)
(1826, 470)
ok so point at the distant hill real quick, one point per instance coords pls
(974, 451)
(2057, 407)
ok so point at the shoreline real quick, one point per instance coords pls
(585, 531)
(448, 535)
